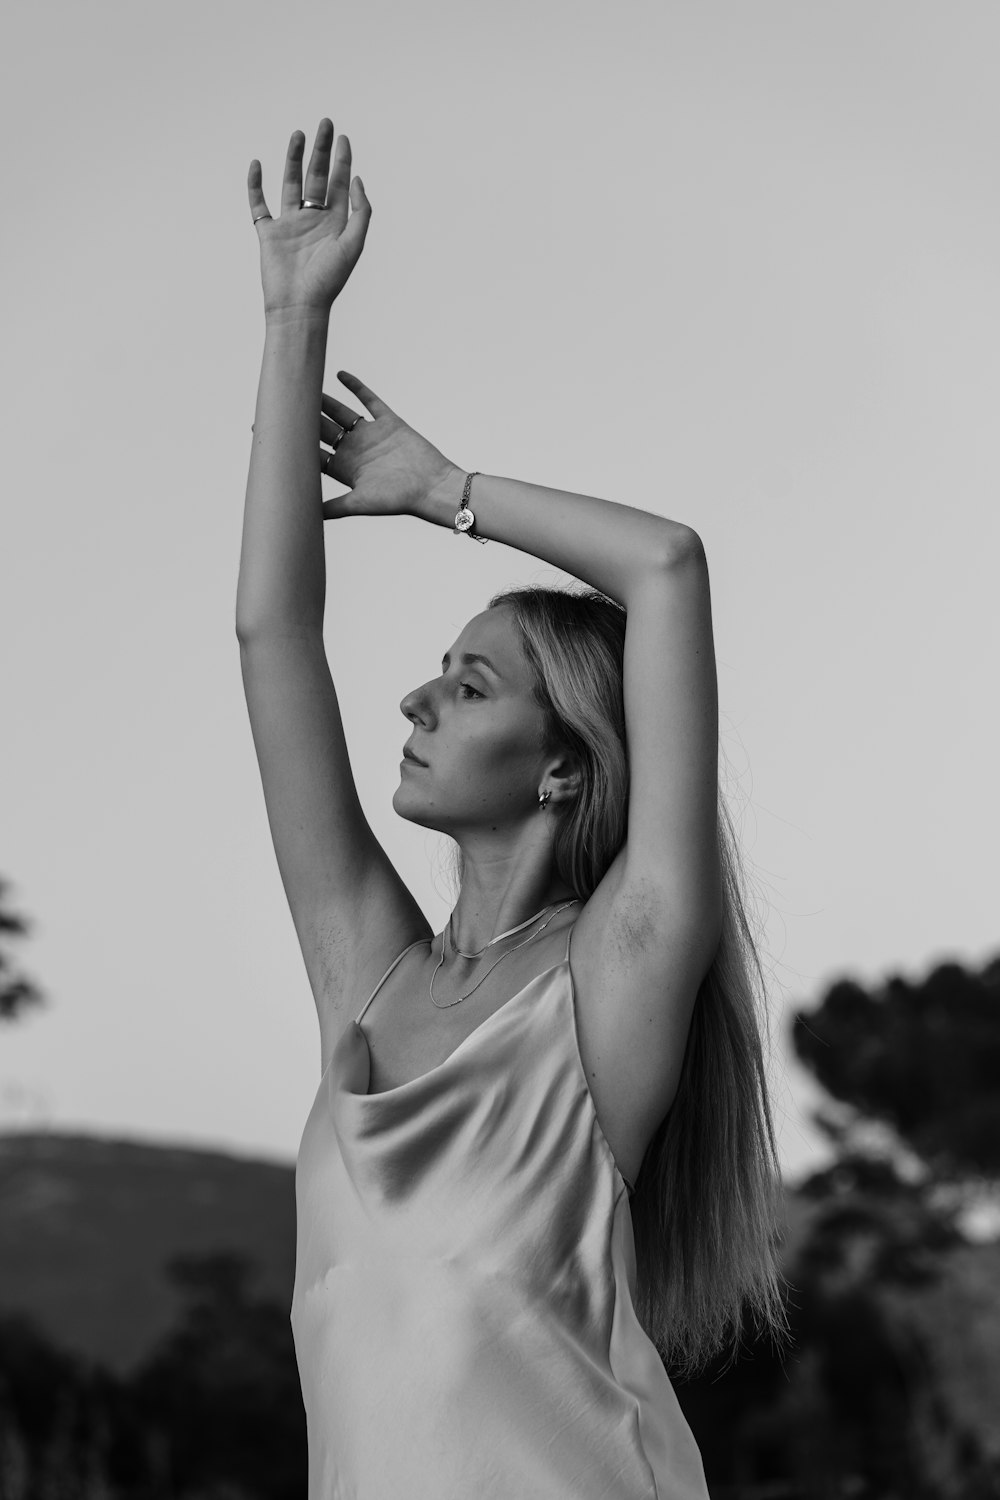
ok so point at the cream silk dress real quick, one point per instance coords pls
(462, 1311)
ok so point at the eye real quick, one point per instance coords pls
(467, 687)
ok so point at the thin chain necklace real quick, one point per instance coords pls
(520, 928)
(509, 933)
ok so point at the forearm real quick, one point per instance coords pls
(604, 544)
(282, 580)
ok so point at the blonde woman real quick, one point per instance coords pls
(540, 1160)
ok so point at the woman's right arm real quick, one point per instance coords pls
(349, 906)
(282, 582)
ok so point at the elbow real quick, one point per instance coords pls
(681, 544)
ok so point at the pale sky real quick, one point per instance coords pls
(737, 264)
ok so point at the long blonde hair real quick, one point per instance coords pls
(705, 1207)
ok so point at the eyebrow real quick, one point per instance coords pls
(468, 657)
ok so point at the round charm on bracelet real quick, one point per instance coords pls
(465, 519)
(464, 522)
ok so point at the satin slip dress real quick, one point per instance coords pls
(462, 1310)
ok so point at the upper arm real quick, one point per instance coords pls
(672, 728)
(350, 908)
(651, 928)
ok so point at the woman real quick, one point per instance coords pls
(479, 1309)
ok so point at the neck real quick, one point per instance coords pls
(492, 901)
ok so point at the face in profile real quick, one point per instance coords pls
(479, 731)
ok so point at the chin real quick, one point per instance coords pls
(403, 807)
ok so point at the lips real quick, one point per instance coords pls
(409, 755)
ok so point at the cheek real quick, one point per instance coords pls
(498, 753)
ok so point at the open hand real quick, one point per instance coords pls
(307, 254)
(390, 469)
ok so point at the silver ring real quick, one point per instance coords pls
(335, 445)
(311, 203)
(343, 433)
(261, 216)
(326, 462)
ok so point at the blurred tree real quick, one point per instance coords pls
(923, 1058)
(920, 1062)
(15, 992)
(224, 1387)
(866, 1404)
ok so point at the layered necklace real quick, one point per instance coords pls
(448, 937)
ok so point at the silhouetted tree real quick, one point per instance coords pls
(16, 993)
(923, 1058)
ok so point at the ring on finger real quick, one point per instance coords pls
(343, 433)
(311, 203)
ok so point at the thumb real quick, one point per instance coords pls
(340, 507)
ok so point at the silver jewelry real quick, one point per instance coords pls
(444, 937)
(311, 203)
(543, 798)
(465, 519)
(461, 953)
(343, 433)
(261, 216)
(325, 466)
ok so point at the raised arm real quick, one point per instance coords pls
(306, 256)
(344, 895)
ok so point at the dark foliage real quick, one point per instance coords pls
(857, 1408)
(224, 1387)
(923, 1057)
(16, 992)
(216, 1413)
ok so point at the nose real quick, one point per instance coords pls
(415, 706)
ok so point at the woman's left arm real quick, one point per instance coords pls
(603, 543)
(658, 569)
(391, 469)
(669, 869)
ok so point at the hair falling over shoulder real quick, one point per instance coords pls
(707, 1201)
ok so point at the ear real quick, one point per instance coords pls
(564, 775)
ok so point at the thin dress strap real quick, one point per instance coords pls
(388, 971)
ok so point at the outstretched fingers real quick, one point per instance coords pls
(340, 184)
(343, 415)
(291, 182)
(352, 239)
(319, 163)
(255, 192)
(364, 393)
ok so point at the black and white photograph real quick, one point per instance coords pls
(499, 912)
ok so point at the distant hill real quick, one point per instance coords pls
(88, 1225)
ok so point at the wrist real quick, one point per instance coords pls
(297, 315)
(443, 500)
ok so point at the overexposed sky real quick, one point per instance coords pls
(738, 264)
